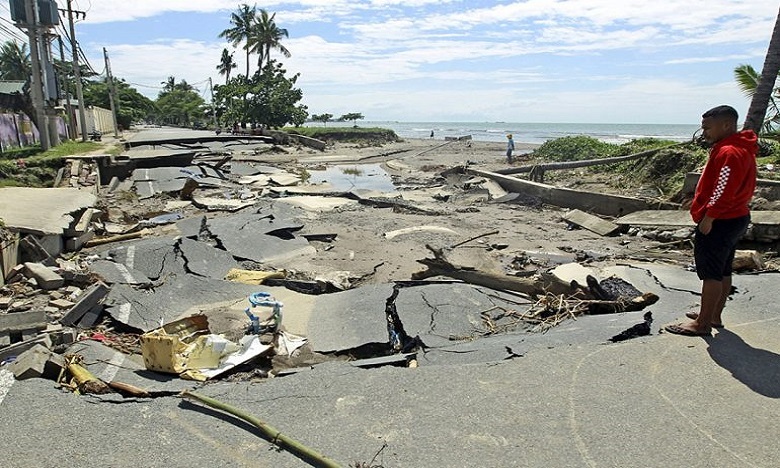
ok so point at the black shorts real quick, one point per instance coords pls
(714, 252)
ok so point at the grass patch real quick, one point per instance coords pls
(354, 171)
(39, 169)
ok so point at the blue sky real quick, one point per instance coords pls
(628, 61)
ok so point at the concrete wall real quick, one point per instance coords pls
(97, 118)
(600, 203)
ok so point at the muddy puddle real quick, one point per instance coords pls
(354, 176)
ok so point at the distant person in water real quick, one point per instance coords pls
(431, 133)
(510, 147)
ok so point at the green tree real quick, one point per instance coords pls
(269, 99)
(352, 117)
(756, 113)
(132, 105)
(179, 104)
(15, 65)
(747, 79)
(226, 64)
(14, 62)
(267, 36)
(324, 118)
(243, 21)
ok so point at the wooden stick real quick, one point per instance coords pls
(120, 237)
(277, 438)
(491, 233)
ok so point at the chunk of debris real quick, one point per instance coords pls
(37, 362)
(640, 329)
(590, 222)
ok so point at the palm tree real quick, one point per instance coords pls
(266, 35)
(747, 80)
(754, 119)
(14, 61)
(243, 21)
(226, 64)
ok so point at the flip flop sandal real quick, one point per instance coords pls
(694, 316)
(678, 330)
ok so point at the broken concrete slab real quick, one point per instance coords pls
(87, 302)
(569, 272)
(46, 278)
(317, 203)
(154, 257)
(42, 211)
(221, 203)
(204, 259)
(34, 319)
(148, 189)
(350, 319)
(764, 225)
(37, 362)
(14, 350)
(110, 365)
(146, 310)
(113, 273)
(416, 229)
(249, 168)
(246, 236)
(158, 173)
(592, 223)
(605, 204)
(285, 179)
(82, 223)
(442, 313)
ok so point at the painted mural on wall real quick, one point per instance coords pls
(16, 130)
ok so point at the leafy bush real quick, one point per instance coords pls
(666, 169)
(351, 134)
(574, 148)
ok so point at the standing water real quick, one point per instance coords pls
(354, 176)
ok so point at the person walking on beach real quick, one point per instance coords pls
(510, 147)
(721, 212)
(431, 133)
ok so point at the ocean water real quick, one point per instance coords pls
(536, 133)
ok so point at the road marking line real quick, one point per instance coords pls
(130, 262)
(7, 379)
(112, 367)
(124, 312)
(126, 275)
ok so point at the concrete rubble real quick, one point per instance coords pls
(84, 288)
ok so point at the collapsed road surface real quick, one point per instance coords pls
(442, 372)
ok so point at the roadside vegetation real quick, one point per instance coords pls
(346, 134)
(29, 167)
(664, 170)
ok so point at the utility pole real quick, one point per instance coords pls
(68, 106)
(213, 106)
(31, 10)
(74, 47)
(111, 92)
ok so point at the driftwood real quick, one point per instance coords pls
(534, 286)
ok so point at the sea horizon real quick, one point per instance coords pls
(529, 132)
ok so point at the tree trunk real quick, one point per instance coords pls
(754, 119)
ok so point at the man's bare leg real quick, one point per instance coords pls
(711, 299)
(717, 319)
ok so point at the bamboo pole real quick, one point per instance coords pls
(276, 437)
(85, 380)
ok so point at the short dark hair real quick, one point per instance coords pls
(722, 112)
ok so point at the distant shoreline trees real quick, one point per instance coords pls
(267, 98)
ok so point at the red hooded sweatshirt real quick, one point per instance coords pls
(728, 180)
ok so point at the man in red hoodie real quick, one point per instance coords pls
(721, 213)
